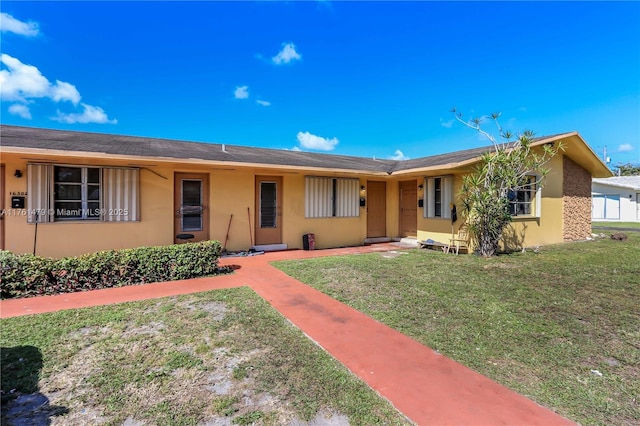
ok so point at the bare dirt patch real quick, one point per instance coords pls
(132, 374)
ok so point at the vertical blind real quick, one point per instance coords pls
(39, 193)
(347, 197)
(120, 194)
(446, 196)
(331, 197)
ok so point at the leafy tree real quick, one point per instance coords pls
(500, 172)
(628, 169)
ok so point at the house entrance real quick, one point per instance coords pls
(408, 209)
(268, 208)
(191, 198)
(376, 209)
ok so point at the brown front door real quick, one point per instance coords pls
(376, 209)
(408, 208)
(268, 217)
(191, 202)
(2, 207)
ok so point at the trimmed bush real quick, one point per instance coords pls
(26, 275)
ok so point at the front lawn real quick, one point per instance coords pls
(221, 357)
(560, 325)
(632, 225)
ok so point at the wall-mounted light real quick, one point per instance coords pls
(420, 187)
(18, 174)
(362, 188)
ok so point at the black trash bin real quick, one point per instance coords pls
(309, 241)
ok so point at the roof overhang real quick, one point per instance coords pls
(579, 151)
(617, 184)
(574, 147)
(52, 156)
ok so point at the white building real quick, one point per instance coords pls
(616, 199)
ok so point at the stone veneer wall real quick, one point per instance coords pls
(576, 201)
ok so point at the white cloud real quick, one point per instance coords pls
(287, 54)
(20, 82)
(12, 25)
(20, 110)
(398, 156)
(23, 83)
(625, 147)
(241, 92)
(296, 148)
(263, 103)
(447, 124)
(90, 114)
(65, 92)
(309, 141)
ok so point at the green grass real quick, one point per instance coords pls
(181, 361)
(632, 225)
(535, 322)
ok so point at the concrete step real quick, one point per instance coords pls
(410, 241)
(270, 247)
(377, 240)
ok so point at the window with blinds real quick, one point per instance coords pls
(331, 197)
(82, 193)
(438, 196)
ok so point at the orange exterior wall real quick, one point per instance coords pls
(232, 191)
(523, 231)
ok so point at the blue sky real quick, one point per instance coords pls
(373, 79)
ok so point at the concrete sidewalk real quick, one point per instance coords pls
(428, 388)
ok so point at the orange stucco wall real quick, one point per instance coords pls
(523, 231)
(232, 191)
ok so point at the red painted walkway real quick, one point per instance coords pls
(428, 388)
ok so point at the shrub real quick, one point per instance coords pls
(26, 275)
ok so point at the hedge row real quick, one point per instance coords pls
(26, 275)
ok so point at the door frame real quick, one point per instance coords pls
(382, 186)
(202, 235)
(413, 231)
(267, 236)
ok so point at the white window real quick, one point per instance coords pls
(438, 196)
(605, 206)
(525, 201)
(68, 192)
(76, 192)
(331, 197)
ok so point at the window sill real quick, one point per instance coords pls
(522, 218)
